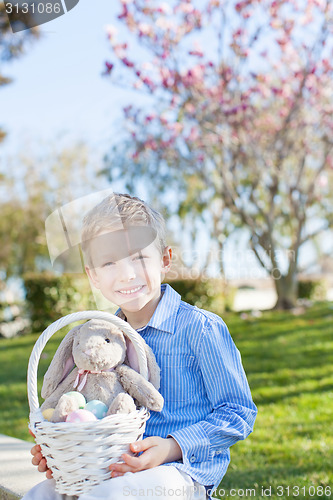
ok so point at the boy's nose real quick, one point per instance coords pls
(126, 270)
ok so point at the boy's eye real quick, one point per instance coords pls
(107, 341)
(108, 264)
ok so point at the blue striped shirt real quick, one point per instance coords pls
(207, 400)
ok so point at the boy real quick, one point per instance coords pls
(208, 405)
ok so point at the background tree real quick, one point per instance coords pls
(33, 187)
(239, 123)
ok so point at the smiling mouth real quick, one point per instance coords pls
(131, 290)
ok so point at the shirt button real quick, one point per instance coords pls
(192, 459)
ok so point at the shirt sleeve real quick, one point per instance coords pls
(233, 411)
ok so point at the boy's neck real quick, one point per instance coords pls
(139, 319)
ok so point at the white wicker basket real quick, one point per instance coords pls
(79, 454)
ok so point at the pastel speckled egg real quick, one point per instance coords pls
(81, 400)
(80, 416)
(47, 414)
(98, 408)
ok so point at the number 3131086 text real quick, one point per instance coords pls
(33, 8)
(303, 491)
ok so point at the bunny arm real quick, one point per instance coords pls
(65, 386)
(139, 388)
(153, 368)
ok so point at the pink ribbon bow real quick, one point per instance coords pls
(83, 374)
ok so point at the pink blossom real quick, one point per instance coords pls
(165, 23)
(148, 82)
(145, 29)
(330, 161)
(120, 49)
(138, 84)
(149, 118)
(185, 8)
(190, 108)
(196, 53)
(194, 134)
(176, 128)
(164, 121)
(151, 144)
(109, 67)
(164, 8)
(127, 62)
(276, 23)
(283, 112)
(111, 32)
(282, 41)
(276, 91)
(197, 50)
(124, 12)
(323, 181)
(327, 65)
(127, 110)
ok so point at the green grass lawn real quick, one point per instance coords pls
(289, 363)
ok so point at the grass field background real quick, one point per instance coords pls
(289, 363)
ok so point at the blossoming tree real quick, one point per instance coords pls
(239, 120)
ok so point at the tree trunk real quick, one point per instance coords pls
(286, 289)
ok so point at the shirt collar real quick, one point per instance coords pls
(164, 317)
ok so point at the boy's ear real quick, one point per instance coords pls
(92, 276)
(166, 259)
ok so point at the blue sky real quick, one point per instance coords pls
(58, 85)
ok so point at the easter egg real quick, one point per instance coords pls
(47, 414)
(79, 398)
(80, 416)
(98, 408)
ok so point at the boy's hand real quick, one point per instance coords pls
(156, 451)
(39, 460)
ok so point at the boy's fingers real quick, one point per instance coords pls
(42, 467)
(35, 449)
(144, 444)
(49, 474)
(121, 468)
(36, 459)
(132, 461)
(132, 464)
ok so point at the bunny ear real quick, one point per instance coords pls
(61, 364)
(131, 356)
(133, 362)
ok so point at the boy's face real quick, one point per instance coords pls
(132, 282)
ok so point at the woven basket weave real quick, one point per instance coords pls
(79, 454)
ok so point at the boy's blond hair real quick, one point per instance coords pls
(121, 210)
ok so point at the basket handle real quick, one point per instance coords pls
(136, 339)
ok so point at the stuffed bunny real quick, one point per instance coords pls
(99, 351)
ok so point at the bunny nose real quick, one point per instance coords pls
(88, 352)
